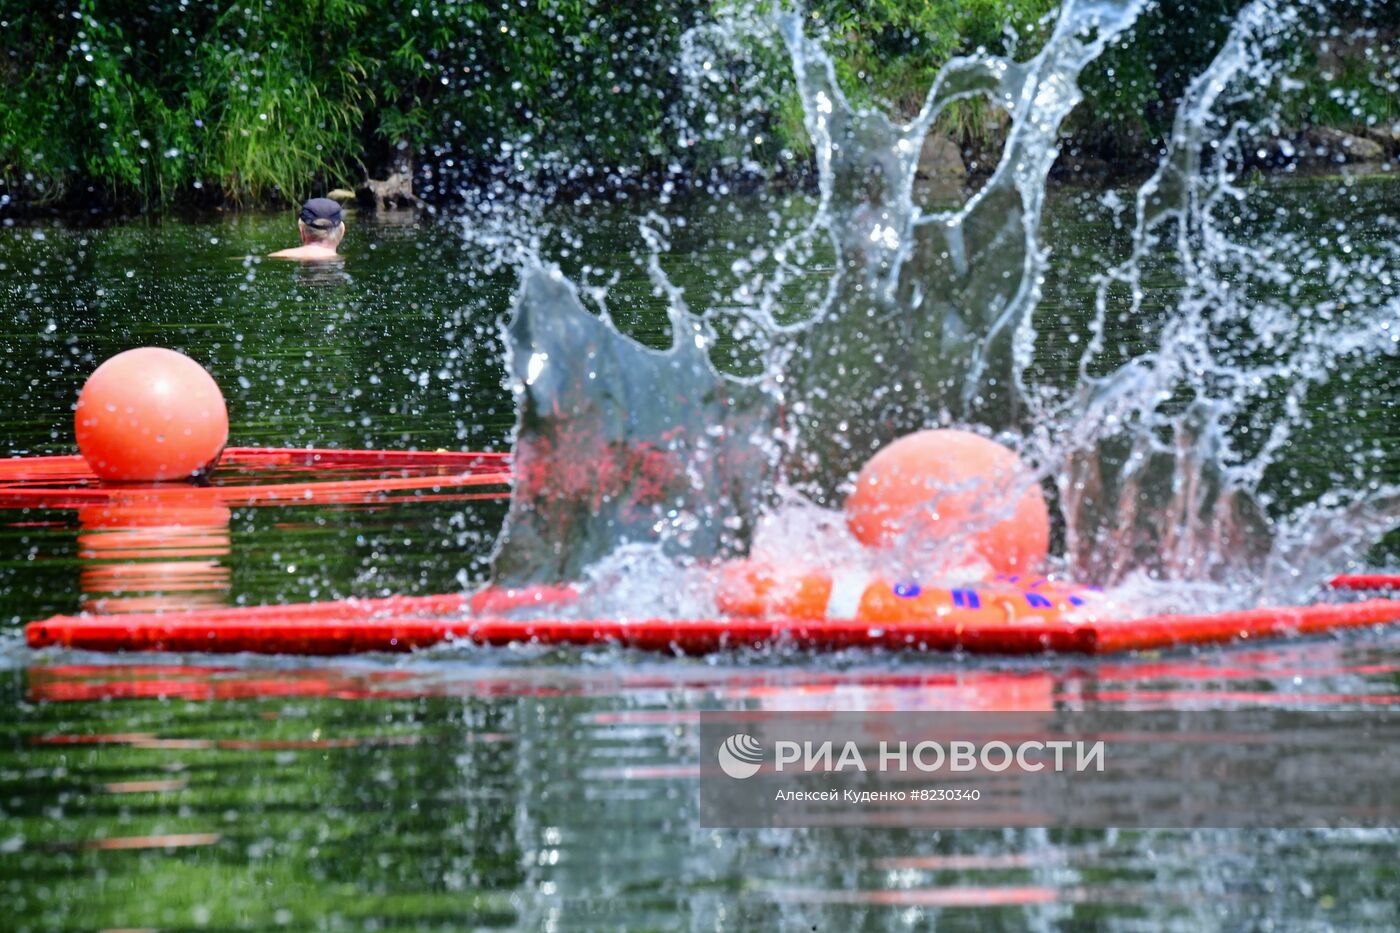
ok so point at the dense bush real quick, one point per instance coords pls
(152, 102)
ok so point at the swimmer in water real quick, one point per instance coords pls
(322, 227)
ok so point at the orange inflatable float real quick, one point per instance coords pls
(965, 499)
(749, 588)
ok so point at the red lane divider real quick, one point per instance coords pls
(406, 623)
(1366, 581)
(288, 476)
(67, 467)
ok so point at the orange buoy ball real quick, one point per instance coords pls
(149, 415)
(955, 488)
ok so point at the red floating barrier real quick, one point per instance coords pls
(256, 476)
(406, 623)
(1372, 582)
(263, 476)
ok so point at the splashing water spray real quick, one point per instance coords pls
(637, 463)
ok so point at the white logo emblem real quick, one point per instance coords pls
(740, 756)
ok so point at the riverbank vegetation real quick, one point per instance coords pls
(150, 104)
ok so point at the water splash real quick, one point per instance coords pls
(618, 443)
(1163, 473)
(924, 317)
(928, 315)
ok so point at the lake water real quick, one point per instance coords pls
(466, 787)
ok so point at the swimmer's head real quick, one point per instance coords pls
(321, 222)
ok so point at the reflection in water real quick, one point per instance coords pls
(556, 789)
(322, 274)
(153, 556)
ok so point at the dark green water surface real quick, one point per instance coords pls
(464, 788)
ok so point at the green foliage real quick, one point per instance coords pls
(150, 102)
(890, 49)
(1131, 91)
(279, 98)
(249, 103)
(1348, 84)
(585, 79)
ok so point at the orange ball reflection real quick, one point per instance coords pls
(153, 557)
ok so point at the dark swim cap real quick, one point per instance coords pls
(321, 213)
